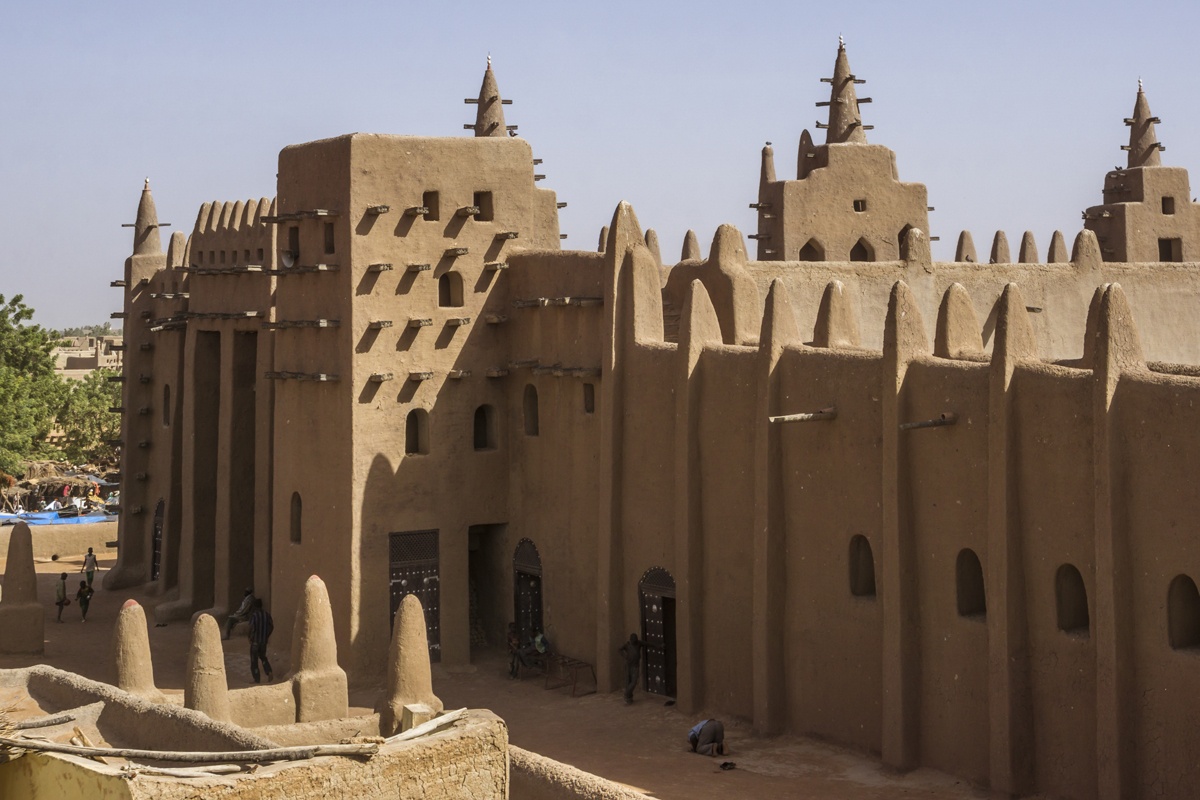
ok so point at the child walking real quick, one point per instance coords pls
(60, 594)
(84, 596)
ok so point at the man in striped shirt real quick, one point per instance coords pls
(261, 626)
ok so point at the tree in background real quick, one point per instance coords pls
(85, 418)
(31, 394)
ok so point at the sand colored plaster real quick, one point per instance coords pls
(22, 621)
(206, 689)
(131, 654)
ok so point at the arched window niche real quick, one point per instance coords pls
(862, 567)
(972, 600)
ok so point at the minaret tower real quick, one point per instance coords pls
(489, 116)
(847, 202)
(1147, 214)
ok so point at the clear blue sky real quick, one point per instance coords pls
(1010, 112)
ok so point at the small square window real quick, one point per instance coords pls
(860, 205)
(222, 256)
(328, 237)
(483, 201)
(233, 256)
(589, 398)
(247, 256)
(294, 242)
(212, 256)
(260, 255)
(1168, 205)
(432, 206)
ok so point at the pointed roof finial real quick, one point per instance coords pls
(489, 114)
(845, 121)
(146, 240)
(1143, 147)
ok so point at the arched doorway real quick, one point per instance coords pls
(656, 591)
(157, 545)
(527, 590)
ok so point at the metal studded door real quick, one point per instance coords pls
(656, 591)
(527, 590)
(156, 557)
(414, 570)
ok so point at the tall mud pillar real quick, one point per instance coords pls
(904, 341)
(318, 683)
(22, 618)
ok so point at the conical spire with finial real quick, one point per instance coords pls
(146, 240)
(489, 114)
(1143, 142)
(845, 121)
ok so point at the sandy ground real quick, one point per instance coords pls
(643, 745)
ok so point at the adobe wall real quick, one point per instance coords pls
(831, 492)
(311, 453)
(67, 540)
(398, 491)
(535, 777)
(1163, 296)
(469, 760)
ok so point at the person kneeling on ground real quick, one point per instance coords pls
(242, 613)
(707, 737)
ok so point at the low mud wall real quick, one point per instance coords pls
(534, 777)
(67, 540)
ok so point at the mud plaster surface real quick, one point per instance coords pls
(642, 746)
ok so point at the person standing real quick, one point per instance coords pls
(261, 626)
(242, 613)
(89, 566)
(84, 596)
(631, 651)
(514, 650)
(60, 594)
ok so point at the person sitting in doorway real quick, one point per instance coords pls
(707, 737)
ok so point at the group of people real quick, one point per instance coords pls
(706, 737)
(523, 654)
(83, 596)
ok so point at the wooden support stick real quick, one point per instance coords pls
(44, 722)
(301, 753)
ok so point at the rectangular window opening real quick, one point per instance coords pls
(260, 255)
(1168, 205)
(483, 201)
(294, 242)
(1170, 250)
(328, 238)
(431, 203)
(589, 398)
(222, 256)
(860, 205)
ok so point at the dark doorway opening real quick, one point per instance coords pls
(656, 591)
(527, 590)
(414, 570)
(487, 577)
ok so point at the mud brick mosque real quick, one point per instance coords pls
(944, 512)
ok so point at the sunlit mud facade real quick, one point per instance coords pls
(940, 511)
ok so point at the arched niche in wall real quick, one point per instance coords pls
(1070, 601)
(450, 290)
(1183, 613)
(484, 428)
(862, 567)
(416, 432)
(972, 600)
(812, 251)
(862, 251)
(530, 405)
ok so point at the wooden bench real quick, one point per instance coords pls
(564, 669)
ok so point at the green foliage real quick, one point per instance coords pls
(89, 330)
(31, 394)
(85, 418)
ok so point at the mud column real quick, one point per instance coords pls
(1010, 703)
(699, 327)
(1112, 347)
(903, 341)
(770, 566)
